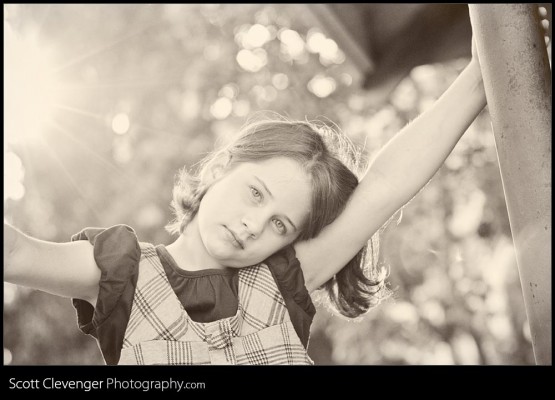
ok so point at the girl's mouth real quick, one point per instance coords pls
(235, 241)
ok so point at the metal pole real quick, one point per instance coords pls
(517, 79)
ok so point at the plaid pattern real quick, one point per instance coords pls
(160, 331)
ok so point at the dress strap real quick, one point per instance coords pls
(260, 302)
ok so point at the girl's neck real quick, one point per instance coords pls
(189, 252)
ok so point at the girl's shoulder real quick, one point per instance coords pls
(116, 252)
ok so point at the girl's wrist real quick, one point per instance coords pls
(474, 73)
(474, 67)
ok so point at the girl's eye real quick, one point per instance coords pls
(256, 193)
(280, 226)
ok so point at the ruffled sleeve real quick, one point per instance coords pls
(287, 272)
(117, 255)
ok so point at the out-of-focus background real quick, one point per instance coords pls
(104, 103)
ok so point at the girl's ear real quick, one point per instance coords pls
(216, 168)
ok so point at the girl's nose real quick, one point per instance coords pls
(254, 224)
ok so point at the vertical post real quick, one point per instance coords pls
(517, 79)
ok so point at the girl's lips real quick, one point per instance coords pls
(238, 243)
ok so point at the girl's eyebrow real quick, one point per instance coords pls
(272, 196)
(264, 186)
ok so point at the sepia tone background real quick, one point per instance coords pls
(104, 103)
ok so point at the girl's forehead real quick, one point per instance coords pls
(281, 169)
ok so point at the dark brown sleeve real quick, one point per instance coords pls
(287, 273)
(117, 255)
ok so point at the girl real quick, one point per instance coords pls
(268, 219)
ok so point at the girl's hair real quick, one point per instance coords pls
(332, 163)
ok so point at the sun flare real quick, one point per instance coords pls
(31, 89)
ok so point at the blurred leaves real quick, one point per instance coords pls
(150, 88)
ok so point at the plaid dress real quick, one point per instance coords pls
(160, 331)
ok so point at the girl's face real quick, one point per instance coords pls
(254, 210)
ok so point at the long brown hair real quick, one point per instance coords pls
(332, 162)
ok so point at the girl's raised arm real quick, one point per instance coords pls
(400, 170)
(63, 269)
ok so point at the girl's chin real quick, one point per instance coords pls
(234, 262)
(226, 257)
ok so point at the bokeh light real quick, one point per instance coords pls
(280, 81)
(221, 108)
(10, 293)
(13, 177)
(120, 123)
(256, 36)
(327, 48)
(7, 357)
(322, 86)
(252, 61)
(292, 42)
(230, 91)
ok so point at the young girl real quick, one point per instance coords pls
(268, 219)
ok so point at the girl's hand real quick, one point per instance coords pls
(474, 64)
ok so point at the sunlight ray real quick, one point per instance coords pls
(155, 131)
(129, 83)
(89, 114)
(126, 178)
(110, 166)
(108, 47)
(72, 182)
(78, 111)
